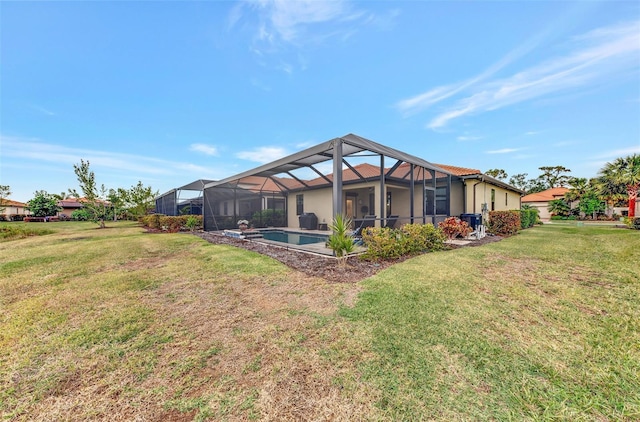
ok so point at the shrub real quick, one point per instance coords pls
(194, 222)
(453, 227)
(171, 223)
(504, 223)
(80, 215)
(340, 242)
(528, 217)
(151, 221)
(632, 223)
(386, 243)
(267, 218)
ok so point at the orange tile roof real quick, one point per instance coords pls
(458, 171)
(546, 195)
(12, 203)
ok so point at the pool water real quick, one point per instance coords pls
(294, 238)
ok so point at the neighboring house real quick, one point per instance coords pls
(373, 181)
(13, 208)
(540, 200)
(69, 206)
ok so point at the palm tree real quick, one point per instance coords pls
(559, 207)
(579, 188)
(625, 171)
(610, 192)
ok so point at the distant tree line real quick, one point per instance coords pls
(99, 204)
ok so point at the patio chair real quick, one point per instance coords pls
(391, 221)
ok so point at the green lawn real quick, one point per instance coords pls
(118, 323)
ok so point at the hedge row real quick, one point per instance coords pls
(12, 217)
(504, 223)
(171, 223)
(410, 239)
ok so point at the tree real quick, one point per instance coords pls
(520, 181)
(43, 204)
(625, 171)
(579, 188)
(5, 192)
(559, 207)
(553, 176)
(590, 204)
(609, 191)
(497, 173)
(118, 199)
(141, 199)
(94, 200)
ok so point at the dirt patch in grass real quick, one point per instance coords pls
(356, 269)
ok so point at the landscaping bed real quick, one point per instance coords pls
(356, 269)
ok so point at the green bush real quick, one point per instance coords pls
(528, 217)
(410, 239)
(171, 223)
(151, 221)
(504, 223)
(80, 215)
(340, 242)
(268, 218)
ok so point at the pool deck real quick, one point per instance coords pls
(313, 248)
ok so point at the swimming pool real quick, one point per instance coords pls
(293, 238)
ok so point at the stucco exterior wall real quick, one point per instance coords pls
(317, 201)
(13, 209)
(479, 193)
(543, 209)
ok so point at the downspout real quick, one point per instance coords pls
(474, 193)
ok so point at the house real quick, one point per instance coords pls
(69, 205)
(361, 178)
(13, 208)
(540, 200)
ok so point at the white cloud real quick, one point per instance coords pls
(623, 152)
(597, 56)
(503, 151)
(610, 51)
(287, 27)
(468, 138)
(263, 154)
(204, 148)
(38, 151)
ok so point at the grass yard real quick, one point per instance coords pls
(120, 324)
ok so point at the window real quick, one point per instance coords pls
(299, 204)
(226, 208)
(506, 199)
(429, 199)
(493, 199)
(441, 200)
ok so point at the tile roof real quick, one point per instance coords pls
(458, 171)
(546, 195)
(12, 203)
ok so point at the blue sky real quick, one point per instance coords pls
(170, 92)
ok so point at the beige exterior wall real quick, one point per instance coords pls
(543, 209)
(317, 201)
(479, 193)
(12, 209)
